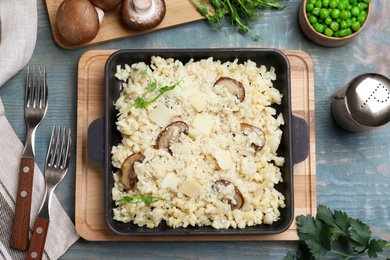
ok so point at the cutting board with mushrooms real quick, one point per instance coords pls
(90, 223)
(114, 19)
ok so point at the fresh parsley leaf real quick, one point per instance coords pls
(339, 222)
(315, 234)
(376, 246)
(318, 233)
(360, 235)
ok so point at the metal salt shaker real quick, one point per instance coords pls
(363, 104)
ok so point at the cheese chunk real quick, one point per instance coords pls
(192, 189)
(224, 159)
(203, 123)
(170, 181)
(197, 101)
(161, 115)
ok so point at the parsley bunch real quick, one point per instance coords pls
(144, 199)
(239, 11)
(318, 234)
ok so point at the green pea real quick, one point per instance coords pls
(333, 4)
(361, 18)
(334, 26)
(325, 3)
(312, 1)
(338, 20)
(341, 5)
(364, 12)
(353, 19)
(343, 24)
(316, 11)
(328, 32)
(319, 4)
(313, 19)
(349, 8)
(320, 28)
(309, 7)
(367, 1)
(355, 26)
(337, 33)
(355, 11)
(353, 1)
(344, 32)
(335, 13)
(344, 14)
(324, 13)
(349, 22)
(328, 20)
(361, 6)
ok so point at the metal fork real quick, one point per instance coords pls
(35, 107)
(57, 163)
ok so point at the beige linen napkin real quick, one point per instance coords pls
(18, 34)
(62, 233)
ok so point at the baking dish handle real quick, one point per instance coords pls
(95, 144)
(300, 139)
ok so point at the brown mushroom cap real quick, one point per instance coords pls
(77, 21)
(234, 87)
(143, 14)
(258, 132)
(171, 134)
(106, 5)
(237, 193)
(129, 177)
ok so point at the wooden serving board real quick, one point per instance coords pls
(178, 12)
(90, 222)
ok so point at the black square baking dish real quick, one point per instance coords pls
(294, 147)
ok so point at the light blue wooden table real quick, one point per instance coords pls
(353, 170)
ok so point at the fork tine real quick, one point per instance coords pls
(68, 146)
(51, 144)
(39, 89)
(45, 88)
(28, 89)
(55, 156)
(34, 91)
(61, 152)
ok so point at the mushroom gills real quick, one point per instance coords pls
(259, 133)
(234, 87)
(171, 134)
(238, 197)
(129, 177)
(143, 14)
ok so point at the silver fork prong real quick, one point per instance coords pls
(55, 156)
(34, 89)
(45, 87)
(69, 143)
(28, 89)
(61, 156)
(39, 89)
(50, 151)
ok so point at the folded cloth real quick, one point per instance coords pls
(62, 232)
(18, 35)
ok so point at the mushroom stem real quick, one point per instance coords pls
(143, 7)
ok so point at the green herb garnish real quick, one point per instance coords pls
(144, 199)
(318, 233)
(238, 11)
(141, 102)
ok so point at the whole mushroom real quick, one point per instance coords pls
(143, 14)
(77, 21)
(106, 5)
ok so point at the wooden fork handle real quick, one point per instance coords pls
(38, 239)
(21, 225)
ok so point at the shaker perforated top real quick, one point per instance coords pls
(368, 99)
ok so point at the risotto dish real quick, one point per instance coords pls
(199, 144)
